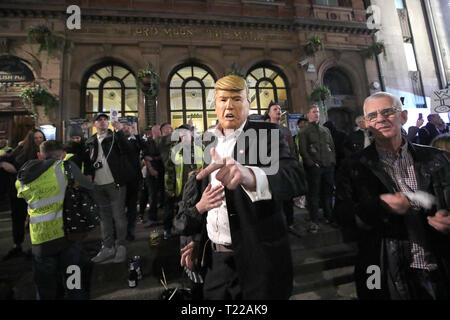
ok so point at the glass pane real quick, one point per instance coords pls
(263, 111)
(279, 82)
(208, 81)
(112, 99)
(266, 96)
(211, 119)
(271, 73)
(176, 81)
(209, 98)
(176, 119)
(119, 72)
(251, 81)
(282, 95)
(410, 57)
(258, 73)
(131, 100)
(175, 99)
(185, 72)
(91, 100)
(105, 72)
(197, 119)
(130, 81)
(112, 84)
(199, 72)
(253, 102)
(265, 84)
(93, 81)
(194, 99)
(253, 111)
(193, 84)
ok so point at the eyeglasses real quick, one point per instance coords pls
(385, 113)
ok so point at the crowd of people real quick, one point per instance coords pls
(386, 187)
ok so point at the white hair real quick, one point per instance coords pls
(396, 103)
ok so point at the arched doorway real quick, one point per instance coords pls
(342, 103)
(15, 119)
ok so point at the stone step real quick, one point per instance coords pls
(345, 291)
(323, 279)
(325, 258)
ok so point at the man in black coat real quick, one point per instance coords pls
(358, 139)
(385, 197)
(246, 248)
(108, 155)
(430, 131)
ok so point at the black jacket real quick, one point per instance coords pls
(382, 236)
(258, 229)
(134, 157)
(118, 159)
(427, 134)
(80, 157)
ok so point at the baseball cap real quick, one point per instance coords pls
(186, 126)
(101, 115)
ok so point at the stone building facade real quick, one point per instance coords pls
(189, 44)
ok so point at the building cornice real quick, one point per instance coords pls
(128, 16)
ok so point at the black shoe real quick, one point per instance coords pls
(13, 253)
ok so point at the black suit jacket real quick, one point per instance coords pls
(258, 229)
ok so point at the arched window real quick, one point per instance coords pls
(110, 86)
(266, 85)
(191, 97)
(338, 82)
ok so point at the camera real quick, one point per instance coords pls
(98, 165)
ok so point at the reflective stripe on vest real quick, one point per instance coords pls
(179, 168)
(44, 206)
(5, 150)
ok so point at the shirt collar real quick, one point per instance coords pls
(386, 154)
(217, 131)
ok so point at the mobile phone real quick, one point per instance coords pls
(420, 116)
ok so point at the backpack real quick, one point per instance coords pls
(80, 211)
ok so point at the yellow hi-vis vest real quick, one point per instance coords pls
(45, 198)
(5, 150)
(179, 168)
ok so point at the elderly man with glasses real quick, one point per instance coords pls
(394, 196)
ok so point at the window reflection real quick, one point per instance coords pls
(191, 94)
(266, 85)
(110, 87)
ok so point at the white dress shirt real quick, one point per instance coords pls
(217, 223)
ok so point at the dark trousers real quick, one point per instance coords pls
(221, 281)
(288, 208)
(131, 205)
(51, 274)
(18, 215)
(169, 211)
(320, 189)
(426, 285)
(153, 187)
